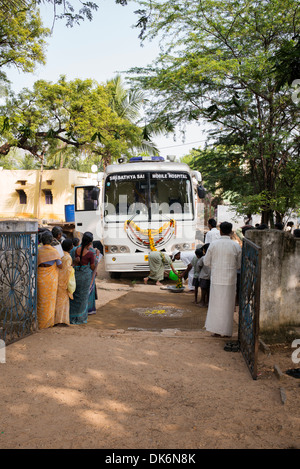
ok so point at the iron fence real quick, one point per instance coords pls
(18, 285)
(249, 304)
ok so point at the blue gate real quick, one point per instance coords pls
(249, 304)
(18, 285)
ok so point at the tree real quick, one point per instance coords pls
(16, 159)
(128, 104)
(73, 13)
(215, 65)
(227, 178)
(22, 39)
(22, 35)
(69, 11)
(286, 62)
(76, 114)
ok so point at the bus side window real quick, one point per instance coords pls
(86, 199)
(88, 202)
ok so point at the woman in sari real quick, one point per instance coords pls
(157, 261)
(84, 265)
(62, 308)
(93, 290)
(47, 280)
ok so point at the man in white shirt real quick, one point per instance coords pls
(186, 257)
(224, 259)
(213, 232)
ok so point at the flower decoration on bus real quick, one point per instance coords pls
(151, 241)
(150, 238)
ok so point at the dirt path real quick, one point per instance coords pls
(104, 385)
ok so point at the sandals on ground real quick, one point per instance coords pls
(232, 347)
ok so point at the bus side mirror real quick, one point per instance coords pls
(95, 193)
(201, 191)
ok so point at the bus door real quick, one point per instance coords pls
(87, 210)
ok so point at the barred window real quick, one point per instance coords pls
(48, 196)
(22, 197)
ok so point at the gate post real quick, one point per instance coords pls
(18, 279)
(249, 304)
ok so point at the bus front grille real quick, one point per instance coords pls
(141, 267)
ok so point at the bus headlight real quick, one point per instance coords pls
(115, 249)
(183, 247)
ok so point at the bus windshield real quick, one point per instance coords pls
(149, 196)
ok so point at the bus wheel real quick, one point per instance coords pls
(115, 275)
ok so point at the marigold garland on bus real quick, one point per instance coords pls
(155, 232)
(151, 241)
(150, 233)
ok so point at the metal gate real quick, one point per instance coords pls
(18, 285)
(249, 304)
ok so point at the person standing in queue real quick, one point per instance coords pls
(224, 259)
(62, 308)
(84, 265)
(49, 261)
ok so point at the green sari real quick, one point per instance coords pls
(79, 304)
(157, 261)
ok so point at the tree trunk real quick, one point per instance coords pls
(265, 217)
(271, 218)
(4, 149)
(278, 217)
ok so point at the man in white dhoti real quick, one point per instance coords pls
(186, 257)
(224, 259)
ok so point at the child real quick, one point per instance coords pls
(195, 263)
(75, 241)
(204, 278)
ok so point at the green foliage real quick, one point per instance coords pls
(287, 62)
(75, 114)
(74, 12)
(16, 159)
(22, 40)
(227, 175)
(223, 170)
(127, 103)
(70, 11)
(216, 65)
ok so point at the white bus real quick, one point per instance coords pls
(143, 205)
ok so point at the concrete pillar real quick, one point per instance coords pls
(280, 278)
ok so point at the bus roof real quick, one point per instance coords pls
(147, 166)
